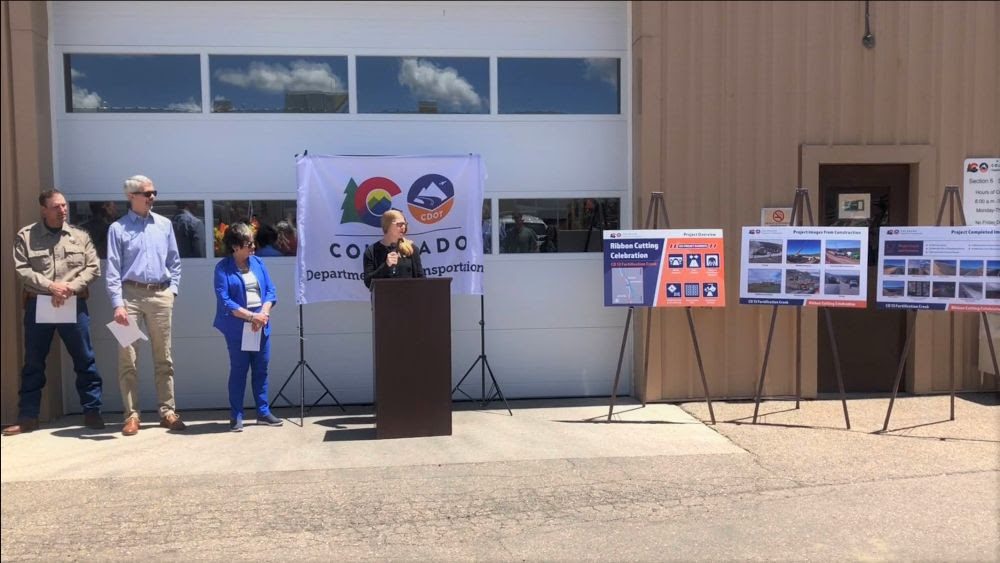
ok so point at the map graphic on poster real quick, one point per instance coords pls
(981, 192)
(804, 266)
(943, 268)
(664, 268)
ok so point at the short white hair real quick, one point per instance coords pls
(134, 183)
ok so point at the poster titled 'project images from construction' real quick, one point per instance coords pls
(804, 266)
(944, 268)
(664, 268)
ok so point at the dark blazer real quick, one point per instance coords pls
(231, 294)
(406, 267)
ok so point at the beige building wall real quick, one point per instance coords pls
(736, 103)
(27, 169)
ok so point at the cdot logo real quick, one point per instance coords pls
(369, 201)
(431, 198)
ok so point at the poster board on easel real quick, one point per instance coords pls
(803, 266)
(914, 287)
(653, 268)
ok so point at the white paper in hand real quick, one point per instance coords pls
(46, 313)
(126, 334)
(251, 339)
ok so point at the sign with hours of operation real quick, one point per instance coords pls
(664, 268)
(981, 193)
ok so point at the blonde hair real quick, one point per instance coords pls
(390, 217)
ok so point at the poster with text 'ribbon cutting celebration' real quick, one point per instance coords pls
(804, 266)
(664, 268)
(943, 268)
(341, 200)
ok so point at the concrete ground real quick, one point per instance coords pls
(553, 482)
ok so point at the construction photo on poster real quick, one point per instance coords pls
(664, 268)
(804, 266)
(943, 268)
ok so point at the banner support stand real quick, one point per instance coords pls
(301, 367)
(483, 367)
(656, 205)
(801, 202)
(950, 198)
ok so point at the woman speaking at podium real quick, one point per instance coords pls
(394, 256)
(244, 297)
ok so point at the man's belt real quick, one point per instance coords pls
(148, 286)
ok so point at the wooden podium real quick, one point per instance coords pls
(411, 333)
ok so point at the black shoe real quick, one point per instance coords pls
(93, 420)
(236, 425)
(269, 420)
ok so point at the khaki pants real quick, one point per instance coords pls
(155, 309)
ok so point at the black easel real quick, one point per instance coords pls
(801, 199)
(484, 366)
(302, 366)
(656, 205)
(951, 197)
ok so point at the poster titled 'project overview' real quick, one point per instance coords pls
(804, 266)
(944, 268)
(664, 268)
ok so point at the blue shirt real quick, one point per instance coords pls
(144, 250)
(231, 294)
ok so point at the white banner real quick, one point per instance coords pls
(341, 200)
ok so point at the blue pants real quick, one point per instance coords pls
(38, 342)
(239, 362)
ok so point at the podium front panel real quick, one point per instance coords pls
(411, 332)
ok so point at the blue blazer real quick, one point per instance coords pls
(231, 294)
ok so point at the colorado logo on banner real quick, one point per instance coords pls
(341, 200)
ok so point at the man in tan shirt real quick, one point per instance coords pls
(56, 261)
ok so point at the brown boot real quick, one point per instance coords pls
(23, 426)
(131, 427)
(173, 422)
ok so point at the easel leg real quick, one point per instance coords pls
(836, 365)
(899, 372)
(993, 352)
(701, 367)
(621, 356)
(951, 365)
(645, 354)
(763, 368)
(798, 356)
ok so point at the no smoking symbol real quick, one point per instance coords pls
(778, 216)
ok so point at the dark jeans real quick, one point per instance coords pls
(38, 341)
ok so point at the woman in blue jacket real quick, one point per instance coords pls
(244, 294)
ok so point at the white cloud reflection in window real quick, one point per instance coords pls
(446, 85)
(129, 83)
(278, 84)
